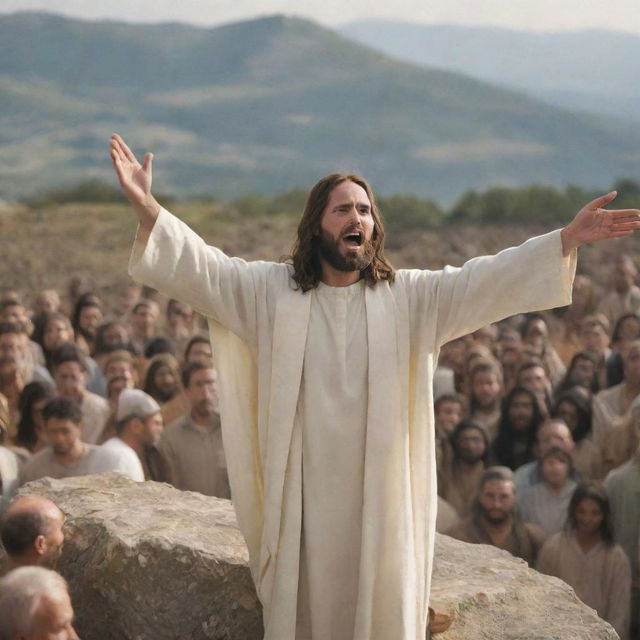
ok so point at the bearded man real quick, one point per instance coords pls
(325, 369)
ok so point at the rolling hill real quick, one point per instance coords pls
(273, 103)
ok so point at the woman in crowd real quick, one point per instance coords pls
(574, 408)
(584, 556)
(33, 397)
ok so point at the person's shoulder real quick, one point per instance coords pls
(461, 530)
(94, 400)
(536, 534)
(607, 394)
(44, 455)
(620, 474)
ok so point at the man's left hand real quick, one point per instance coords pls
(593, 223)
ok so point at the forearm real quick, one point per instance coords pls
(147, 210)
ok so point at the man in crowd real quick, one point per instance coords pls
(35, 605)
(594, 338)
(193, 443)
(495, 520)
(70, 374)
(532, 375)
(138, 426)
(611, 404)
(31, 533)
(144, 320)
(624, 297)
(336, 339)
(67, 455)
(623, 487)
(552, 432)
(486, 393)
(458, 480)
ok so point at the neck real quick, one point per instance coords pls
(335, 278)
(15, 562)
(588, 540)
(72, 455)
(555, 488)
(209, 421)
(133, 442)
(466, 465)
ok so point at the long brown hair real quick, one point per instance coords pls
(307, 270)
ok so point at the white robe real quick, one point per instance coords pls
(259, 325)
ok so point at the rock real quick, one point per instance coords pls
(495, 596)
(148, 562)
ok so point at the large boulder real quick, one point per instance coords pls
(146, 561)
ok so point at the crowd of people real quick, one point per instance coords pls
(537, 424)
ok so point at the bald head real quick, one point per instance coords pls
(554, 433)
(31, 531)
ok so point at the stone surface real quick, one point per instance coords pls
(148, 562)
(495, 596)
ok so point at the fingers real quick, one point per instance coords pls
(602, 201)
(624, 213)
(146, 163)
(121, 146)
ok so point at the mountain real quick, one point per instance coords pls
(590, 70)
(269, 104)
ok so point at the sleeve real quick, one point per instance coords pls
(177, 262)
(531, 277)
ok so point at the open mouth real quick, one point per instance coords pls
(353, 239)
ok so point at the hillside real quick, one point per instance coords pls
(584, 70)
(269, 104)
(94, 240)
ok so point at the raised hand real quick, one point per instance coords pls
(593, 223)
(135, 180)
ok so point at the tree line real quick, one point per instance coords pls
(533, 203)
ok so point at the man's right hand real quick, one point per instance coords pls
(135, 180)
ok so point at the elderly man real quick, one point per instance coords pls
(35, 605)
(31, 533)
(326, 368)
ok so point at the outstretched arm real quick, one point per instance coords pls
(592, 223)
(135, 180)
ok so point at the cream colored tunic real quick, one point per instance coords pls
(601, 577)
(332, 409)
(259, 327)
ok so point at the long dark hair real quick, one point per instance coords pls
(582, 406)
(504, 444)
(32, 393)
(304, 256)
(596, 492)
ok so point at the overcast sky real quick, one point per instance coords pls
(541, 15)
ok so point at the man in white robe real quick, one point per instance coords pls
(326, 393)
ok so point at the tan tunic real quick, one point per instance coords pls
(44, 464)
(196, 457)
(608, 407)
(601, 577)
(524, 541)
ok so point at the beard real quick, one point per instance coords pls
(329, 250)
(496, 516)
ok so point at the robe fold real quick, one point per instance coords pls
(259, 322)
